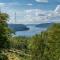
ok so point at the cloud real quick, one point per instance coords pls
(34, 16)
(30, 16)
(18, 4)
(29, 4)
(42, 16)
(57, 9)
(2, 5)
(44, 1)
(55, 12)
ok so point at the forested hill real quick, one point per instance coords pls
(18, 27)
(44, 25)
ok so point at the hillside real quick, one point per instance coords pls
(18, 27)
(44, 25)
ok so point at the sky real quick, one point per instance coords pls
(31, 11)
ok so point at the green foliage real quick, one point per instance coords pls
(46, 45)
(3, 57)
(19, 43)
(4, 30)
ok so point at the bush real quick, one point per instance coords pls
(3, 57)
(46, 46)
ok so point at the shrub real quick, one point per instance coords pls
(3, 57)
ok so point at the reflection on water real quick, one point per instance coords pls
(32, 31)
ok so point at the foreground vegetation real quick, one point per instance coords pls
(44, 46)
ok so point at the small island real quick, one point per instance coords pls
(18, 27)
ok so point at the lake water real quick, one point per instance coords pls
(32, 31)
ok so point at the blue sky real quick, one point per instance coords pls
(31, 11)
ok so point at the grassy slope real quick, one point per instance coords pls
(15, 54)
(12, 56)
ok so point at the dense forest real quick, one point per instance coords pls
(43, 46)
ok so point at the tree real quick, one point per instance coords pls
(4, 30)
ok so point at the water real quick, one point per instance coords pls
(32, 31)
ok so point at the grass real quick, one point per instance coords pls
(14, 54)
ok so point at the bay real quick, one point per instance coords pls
(33, 30)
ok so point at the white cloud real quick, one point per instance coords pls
(41, 16)
(30, 16)
(57, 10)
(55, 13)
(17, 4)
(34, 16)
(2, 5)
(29, 4)
(41, 1)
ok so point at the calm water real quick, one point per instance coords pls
(32, 31)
